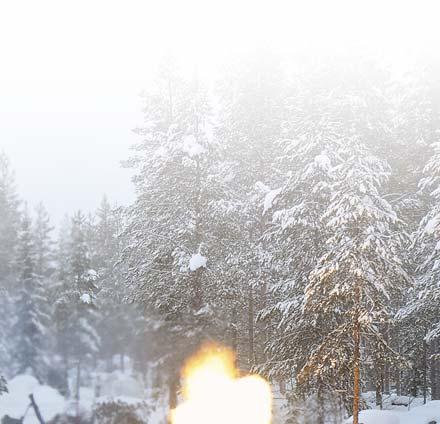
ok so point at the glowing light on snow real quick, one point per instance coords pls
(213, 392)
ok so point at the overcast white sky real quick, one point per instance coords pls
(71, 72)
(66, 139)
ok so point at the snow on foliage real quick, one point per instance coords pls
(270, 198)
(86, 298)
(197, 261)
(191, 147)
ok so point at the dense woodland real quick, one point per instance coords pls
(290, 211)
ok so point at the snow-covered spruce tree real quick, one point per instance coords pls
(61, 310)
(251, 107)
(75, 291)
(172, 250)
(298, 238)
(414, 319)
(424, 305)
(115, 318)
(84, 338)
(31, 308)
(9, 226)
(353, 281)
(44, 245)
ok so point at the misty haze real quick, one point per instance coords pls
(219, 212)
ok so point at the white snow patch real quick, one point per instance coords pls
(197, 261)
(418, 415)
(373, 416)
(15, 403)
(323, 161)
(86, 298)
(432, 224)
(191, 147)
(118, 384)
(269, 199)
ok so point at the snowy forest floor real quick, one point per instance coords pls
(127, 389)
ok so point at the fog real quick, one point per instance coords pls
(66, 139)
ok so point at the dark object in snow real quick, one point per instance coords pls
(432, 422)
(8, 420)
(3, 385)
(36, 409)
(401, 401)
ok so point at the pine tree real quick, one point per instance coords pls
(9, 226)
(116, 317)
(172, 254)
(30, 328)
(354, 280)
(43, 243)
(424, 305)
(75, 293)
(82, 290)
(251, 100)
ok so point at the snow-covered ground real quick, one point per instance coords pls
(424, 414)
(113, 387)
(16, 402)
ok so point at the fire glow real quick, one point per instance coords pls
(214, 393)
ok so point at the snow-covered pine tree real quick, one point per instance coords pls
(31, 309)
(9, 226)
(353, 281)
(424, 304)
(74, 293)
(82, 290)
(115, 318)
(44, 244)
(61, 311)
(172, 251)
(251, 107)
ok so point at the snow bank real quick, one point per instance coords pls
(422, 414)
(378, 417)
(15, 403)
(425, 414)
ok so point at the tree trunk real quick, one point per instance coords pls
(251, 326)
(434, 374)
(356, 358)
(386, 369)
(425, 372)
(77, 394)
(378, 390)
(172, 394)
(398, 381)
(356, 373)
(234, 333)
(320, 405)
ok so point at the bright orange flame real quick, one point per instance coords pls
(213, 394)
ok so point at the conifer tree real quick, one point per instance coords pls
(9, 227)
(30, 328)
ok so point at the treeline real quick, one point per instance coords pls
(291, 212)
(62, 308)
